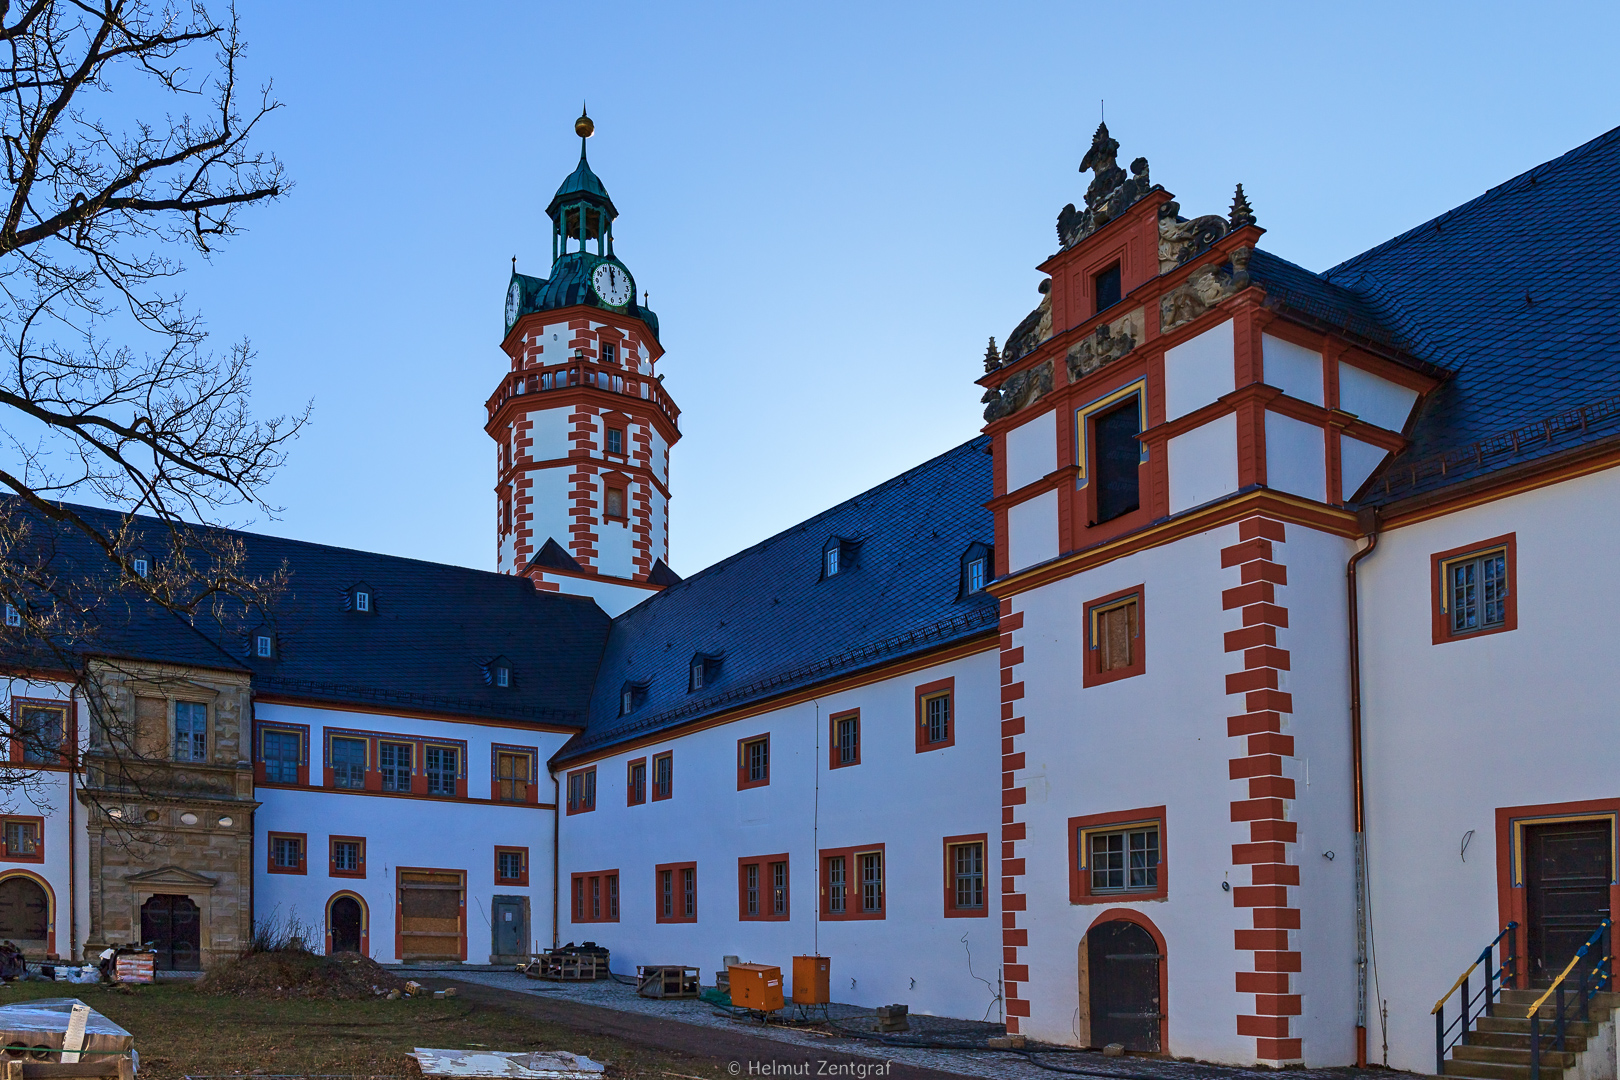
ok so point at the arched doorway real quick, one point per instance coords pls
(170, 926)
(1124, 989)
(25, 915)
(345, 925)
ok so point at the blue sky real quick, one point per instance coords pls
(832, 205)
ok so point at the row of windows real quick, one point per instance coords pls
(853, 886)
(363, 761)
(288, 853)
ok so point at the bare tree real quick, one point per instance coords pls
(127, 144)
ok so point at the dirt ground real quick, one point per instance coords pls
(182, 1032)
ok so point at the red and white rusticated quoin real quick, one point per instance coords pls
(581, 422)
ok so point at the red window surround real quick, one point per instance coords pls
(635, 793)
(581, 790)
(260, 775)
(853, 907)
(22, 839)
(750, 752)
(332, 852)
(1133, 916)
(924, 693)
(1079, 871)
(69, 715)
(1512, 901)
(270, 847)
(1437, 589)
(365, 920)
(952, 910)
(671, 885)
(595, 896)
(531, 788)
(1092, 673)
(505, 877)
(834, 751)
(764, 866)
(373, 776)
(662, 777)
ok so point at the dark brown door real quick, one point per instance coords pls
(1123, 966)
(24, 913)
(345, 924)
(1567, 872)
(170, 927)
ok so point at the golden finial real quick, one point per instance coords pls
(583, 127)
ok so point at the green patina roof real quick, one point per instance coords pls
(582, 185)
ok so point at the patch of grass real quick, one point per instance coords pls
(180, 1031)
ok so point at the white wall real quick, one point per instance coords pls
(1374, 399)
(1357, 460)
(1296, 457)
(1203, 463)
(1031, 450)
(1456, 730)
(905, 800)
(417, 831)
(1032, 531)
(1293, 369)
(1198, 371)
(549, 433)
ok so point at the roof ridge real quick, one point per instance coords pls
(716, 567)
(1512, 183)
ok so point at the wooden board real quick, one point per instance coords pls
(432, 912)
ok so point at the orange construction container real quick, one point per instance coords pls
(812, 978)
(756, 986)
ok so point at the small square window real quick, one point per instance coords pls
(348, 857)
(22, 839)
(511, 866)
(1475, 592)
(1118, 854)
(1115, 646)
(286, 853)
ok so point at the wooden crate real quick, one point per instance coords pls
(667, 981)
(568, 967)
(109, 1068)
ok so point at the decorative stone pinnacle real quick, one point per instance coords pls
(1242, 214)
(992, 358)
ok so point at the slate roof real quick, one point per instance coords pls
(569, 284)
(778, 626)
(1517, 294)
(581, 183)
(432, 629)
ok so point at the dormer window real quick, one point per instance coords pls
(1106, 286)
(362, 600)
(838, 556)
(977, 563)
(703, 671)
(13, 616)
(141, 564)
(264, 646)
(632, 697)
(976, 574)
(498, 673)
(359, 597)
(830, 559)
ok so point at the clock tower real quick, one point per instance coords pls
(582, 424)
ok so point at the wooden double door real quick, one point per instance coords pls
(1568, 870)
(172, 927)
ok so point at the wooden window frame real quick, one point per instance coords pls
(1092, 673)
(416, 779)
(1085, 453)
(950, 844)
(38, 822)
(635, 794)
(580, 895)
(522, 880)
(1439, 589)
(458, 775)
(261, 770)
(331, 856)
(763, 864)
(368, 763)
(833, 720)
(607, 442)
(270, 853)
(1081, 828)
(678, 893)
(851, 912)
(174, 731)
(587, 791)
(926, 692)
(411, 775)
(743, 781)
(70, 735)
(652, 777)
(531, 787)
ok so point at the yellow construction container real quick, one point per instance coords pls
(812, 979)
(756, 986)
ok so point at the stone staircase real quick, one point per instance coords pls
(1498, 1046)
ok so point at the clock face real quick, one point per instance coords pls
(514, 301)
(612, 284)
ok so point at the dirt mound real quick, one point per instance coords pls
(298, 974)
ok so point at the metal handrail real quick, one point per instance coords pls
(1496, 979)
(1579, 953)
(1597, 978)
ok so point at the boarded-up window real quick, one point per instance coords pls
(430, 909)
(151, 735)
(1115, 628)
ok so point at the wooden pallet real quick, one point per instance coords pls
(667, 981)
(567, 967)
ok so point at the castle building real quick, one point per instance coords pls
(1232, 691)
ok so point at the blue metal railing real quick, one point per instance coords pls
(1500, 974)
(1591, 978)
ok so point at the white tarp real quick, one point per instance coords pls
(44, 1024)
(540, 1064)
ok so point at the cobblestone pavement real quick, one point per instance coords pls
(1035, 1064)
